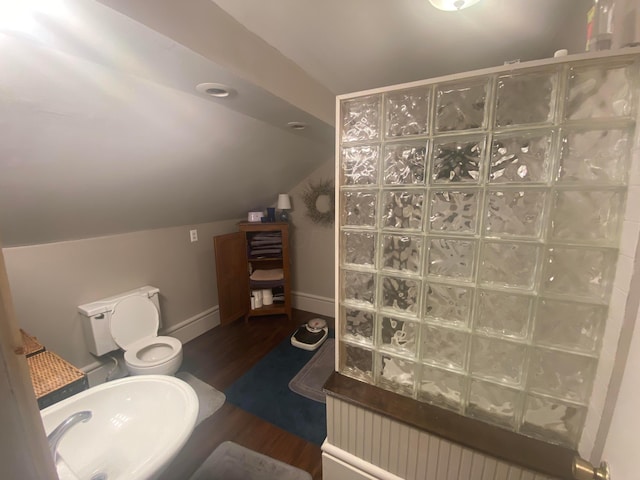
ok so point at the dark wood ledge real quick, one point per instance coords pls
(543, 457)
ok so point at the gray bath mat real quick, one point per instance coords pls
(231, 461)
(309, 381)
(210, 399)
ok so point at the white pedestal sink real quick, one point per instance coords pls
(137, 425)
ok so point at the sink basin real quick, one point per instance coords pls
(138, 425)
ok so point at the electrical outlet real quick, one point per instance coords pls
(193, 235)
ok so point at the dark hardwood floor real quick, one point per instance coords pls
(221, 356)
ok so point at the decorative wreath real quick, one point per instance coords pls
(310, 197)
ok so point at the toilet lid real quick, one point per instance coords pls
(133, 319)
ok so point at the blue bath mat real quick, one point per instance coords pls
(264, 391)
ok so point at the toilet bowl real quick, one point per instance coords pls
(157, 355)
(131, 321)
(134, 326)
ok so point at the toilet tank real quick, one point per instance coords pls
(96, 318)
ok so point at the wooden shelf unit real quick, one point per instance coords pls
(234, 265)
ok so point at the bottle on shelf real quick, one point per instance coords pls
(600, 25)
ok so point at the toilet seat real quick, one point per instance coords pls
(152, 351)
(134, 327)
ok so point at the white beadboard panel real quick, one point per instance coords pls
(489, 469)
(406, 452)
(502, 470)
(353, 439)
(477, 465)
(466, 457)
(432, 456)
(385, 437)
(330, 421)
(423, 448)
(368, 441)
(455, 459)
(413, 452)
(403, 450)
(443, 459)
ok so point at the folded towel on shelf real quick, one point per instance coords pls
(256, 252)
(267, 275)
(261, 284)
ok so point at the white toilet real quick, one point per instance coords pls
(130, 321)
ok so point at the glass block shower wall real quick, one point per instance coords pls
(479, 226)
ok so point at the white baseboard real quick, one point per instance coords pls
(184, 331)
(195, 326)
(313, 303)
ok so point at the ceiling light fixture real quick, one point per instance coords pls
(217, 90)
(452, 5)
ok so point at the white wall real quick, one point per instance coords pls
(622, 446)
(313, 249)
(49, 281)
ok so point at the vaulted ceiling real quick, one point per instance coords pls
(102, 130)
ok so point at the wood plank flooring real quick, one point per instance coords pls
(221, 356)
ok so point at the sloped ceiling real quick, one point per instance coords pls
(102, 130)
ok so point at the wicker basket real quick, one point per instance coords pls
(31, 344)
(53, 378)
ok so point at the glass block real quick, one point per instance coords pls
(587, 215)
(457, 160)
(509, 264)
(401, 294)
(360, 165)
(449, 304)
(569, 325)
(396, 374)
(585, 272)
(493, 403)
(442, 388)
(402, 209)
(497, 360)
(553, 421)
(599, 92)
(444, 346)
(358, 325)
(461, 106)
(407, 112)
(359, 208)
(451, 258)
(521, 158)
(398, 336)
(594, 156)
(402, 252)
(358, 287)
(454, 211)
(526, 98)
(561, 374)
(404, 163)
(503, 314)
(517, 213)
(361, 119)
(356, 362)
(359, 248)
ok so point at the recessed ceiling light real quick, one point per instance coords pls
(297, 125)
(217, 90)
(452, 5)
